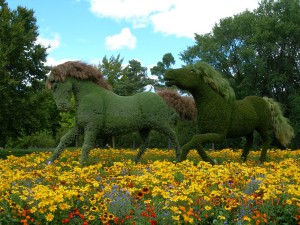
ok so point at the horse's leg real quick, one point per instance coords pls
(90, 135)
(144, 135)
(65, 140)
(266, 142)
(196, 143)
(248, 146)
(173, 137)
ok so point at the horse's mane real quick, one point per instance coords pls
(183, 105)
(215, 80)
(79, 70)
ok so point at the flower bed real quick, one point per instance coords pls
(115, 190)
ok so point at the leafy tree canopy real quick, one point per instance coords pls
(161, 67)
(125, 81)
(24, 108)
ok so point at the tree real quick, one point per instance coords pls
(111, 68)
(258, 51)
(24, 107)
(127, 80)
(133, 80)
(161, 67)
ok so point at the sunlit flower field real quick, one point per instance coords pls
(115, 190)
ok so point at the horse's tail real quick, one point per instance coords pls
(281, 125)
(183, 105)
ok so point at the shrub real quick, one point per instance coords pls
(42, 139)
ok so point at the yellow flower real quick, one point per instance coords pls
(176, 218)
(188, 219)
(64, 206)
(110, 216)
(207, 208)
(289, 201)
(94, 209)
(228, 207)
(95, 184)
(52, 208)
(49, 217)
(246, 218)
(221, 217)
(84, 207)
(92, 217)
(147, 201)
(33, 209)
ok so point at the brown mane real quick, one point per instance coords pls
(184, 105)
(78, 70)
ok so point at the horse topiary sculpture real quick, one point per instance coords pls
(100, 111)
(184, 117)
(220, 116)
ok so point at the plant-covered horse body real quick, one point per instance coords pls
(220, 116)
(100, 111)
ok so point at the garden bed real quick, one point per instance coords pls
(115, 190)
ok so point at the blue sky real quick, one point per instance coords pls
(144, 30)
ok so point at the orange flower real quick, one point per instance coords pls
(145, 190)
(190, 212)
(139, 195)
(182, 208)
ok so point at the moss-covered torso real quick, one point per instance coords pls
(249, 114)
(114, 110)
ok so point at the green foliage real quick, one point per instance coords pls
(258, 52)
(42, 139)
(134, 79)
(161, 67)
(24, 107)
(112, 69)
(215, 80)
(185, 129)
(125, 81)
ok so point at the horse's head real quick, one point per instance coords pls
(185, 78)
(61, 91)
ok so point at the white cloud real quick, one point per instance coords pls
(121, 40)
(135, 11)
(53, 62)
(172, 17)
(51, 43)
(195, 16)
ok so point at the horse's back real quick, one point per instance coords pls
(248, 114)
(153, 107)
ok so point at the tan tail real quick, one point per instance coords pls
(183, 105)
(284, 132)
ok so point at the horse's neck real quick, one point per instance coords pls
(81, 89)
(205, 94)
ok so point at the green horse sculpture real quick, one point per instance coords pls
(220, 115)
(100, 111)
